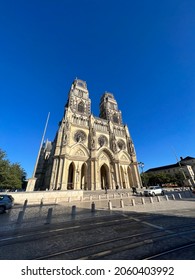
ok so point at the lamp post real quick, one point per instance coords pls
(141, 165)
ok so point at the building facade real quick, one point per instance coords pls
(186, 167)
(88, 152)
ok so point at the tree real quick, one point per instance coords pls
(12, 176)
(152, 179)
(179, 179)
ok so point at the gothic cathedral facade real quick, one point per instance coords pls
(88, 152)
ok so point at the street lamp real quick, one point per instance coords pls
(141, 165)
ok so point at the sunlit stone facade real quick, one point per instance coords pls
(88, 153)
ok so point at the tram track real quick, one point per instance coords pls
(119, 236)
(167, 254)
(62, 229)
(108, 248)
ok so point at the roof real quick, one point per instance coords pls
(180, 163)
(187, 158)
(176, 165)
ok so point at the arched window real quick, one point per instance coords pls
(102, 140)
(115, 118)
(121, 144)
(81, 108)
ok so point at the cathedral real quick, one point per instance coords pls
(88, 152)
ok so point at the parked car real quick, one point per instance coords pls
(154, 190)
(6, 202)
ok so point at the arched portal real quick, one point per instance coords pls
(71, 172)
(130, 177)
(123, 178)
(104, 176)
(84, 177)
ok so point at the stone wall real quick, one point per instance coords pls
(46, 196)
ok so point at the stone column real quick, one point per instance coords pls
(92, 175)
(59, 176)
(116, 165)
(136, 176)
(77, 175)
(31, 184)
(125, 176)
(65, 174)
(97, 175)
(54, 174)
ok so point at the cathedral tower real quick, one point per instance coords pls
(88, 152)
(109, 109)
(78, 100)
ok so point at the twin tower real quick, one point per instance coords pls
(88, 152)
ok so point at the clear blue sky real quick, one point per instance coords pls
(142, 51)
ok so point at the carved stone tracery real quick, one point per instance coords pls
(80, 136)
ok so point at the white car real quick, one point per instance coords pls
(153, 190)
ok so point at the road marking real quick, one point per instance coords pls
(33, 234)
(152, 225)
(148, 224)
(57, 230)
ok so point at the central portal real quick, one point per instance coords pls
(104, 173)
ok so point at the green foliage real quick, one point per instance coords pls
(151, 179)
(12, 176)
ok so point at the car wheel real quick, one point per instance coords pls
(2, 209)
(162, 193)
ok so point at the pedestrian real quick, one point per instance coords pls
(134, 190)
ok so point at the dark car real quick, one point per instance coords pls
(6, 202)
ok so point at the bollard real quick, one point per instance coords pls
(109, 205)
(56, 200)
(151, 199)
(133, 201)
(69, 199)
(173, 197)
(25, 204)
(158, 198)
(142, 200)
(90, 197)
(20, 217)
(41, 203)
(121, 203)
(99, 197)
(73, 213)
(166, 197)
(93, 207)
(49, 216)
(81, 198)
(179, 195)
